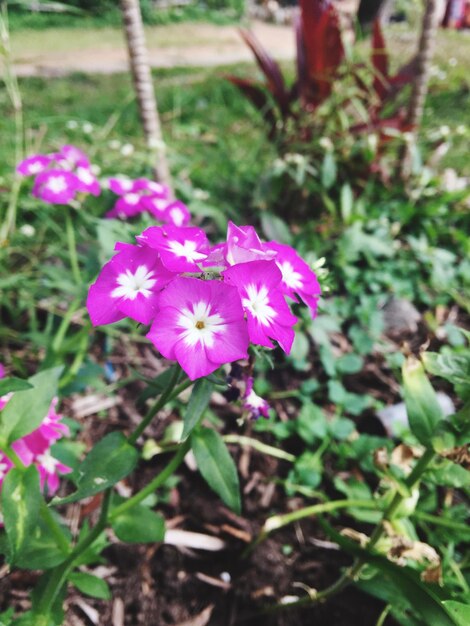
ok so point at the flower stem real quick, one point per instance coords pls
(352, 573)
(153, 484)
(168, 394)
(72, 245)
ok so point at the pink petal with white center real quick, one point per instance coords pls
(253, 402)
(297, 277)
(55, 186)
(181, 249)
(34, 165)
(156, 206)
(121, 185)
(87, 181)
(129, 285)
(128, 205)
(201, 325)
(268, 315)
(244, 245)
(73, 155)
(177, 213)
(49, 469)
(154, 188)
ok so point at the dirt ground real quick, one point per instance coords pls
(55, 52)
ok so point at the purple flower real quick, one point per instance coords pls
(297, 277)
(86, 181)
(201, 325)
(180, 249)
(128, 285)
(55, 186)
(268, 315)
(253, 403)
(128, 205)
(33, 165)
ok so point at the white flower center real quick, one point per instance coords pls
(254, 400)
(132, 198)
(57, 184)
(3, 470)
(199, 325)
(131, 285)
(290, 277)
(257, 303)
(48, 462)
(35, 167)
(177, 216)
(159, 204)
(85, 176)
(187, 249)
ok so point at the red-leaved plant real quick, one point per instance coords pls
(320, 63)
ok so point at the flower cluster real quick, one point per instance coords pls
(60, 176)
(144, 195)
(36, 448)
(205, 303)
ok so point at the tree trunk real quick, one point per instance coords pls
(420, 86)
(142, 79)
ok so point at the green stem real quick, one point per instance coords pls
(441, 521)
(158, 404)
(72, 245)
(351, 574)
(64, 324)
(59, 575)
(153, 484)
(261, 447)
(55, 528)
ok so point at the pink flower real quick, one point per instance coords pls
(121, 185)
(177, 213)
(5, 467)
(243, 245)
(253, 403)
(87, 181)
(181, 249)
(297, 277)
(129, 285)
(70, 157)
(268, 315)
(55, 186)
(49, 470)
(128, 205)
(201, 325)
(153, 188)
(33, 165)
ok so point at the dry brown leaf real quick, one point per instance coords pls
(199, 620)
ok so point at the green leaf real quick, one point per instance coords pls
(275, 228)
(26, 409)
(13, 384)
(21, 499)
(41, 551)
(421, 597)
(109, 461)
(349, 363)
(216, 466)
(198, 403)
(311, 423)
(460, 612)
(328, 170)
(139, 525)
(424, 411)
(346, 202)
(452, 367)
(90, 585)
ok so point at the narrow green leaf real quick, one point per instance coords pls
(275, 228)
(216, 466)
(328, 170)
(21, 499)
(90, 585)
(421, 596)
(460, 612)
(109, 461)
(139, 525)
(13, 384)
(346, 202)
(198, 403)
(42, 551)
(26, 409)
(424, 412)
